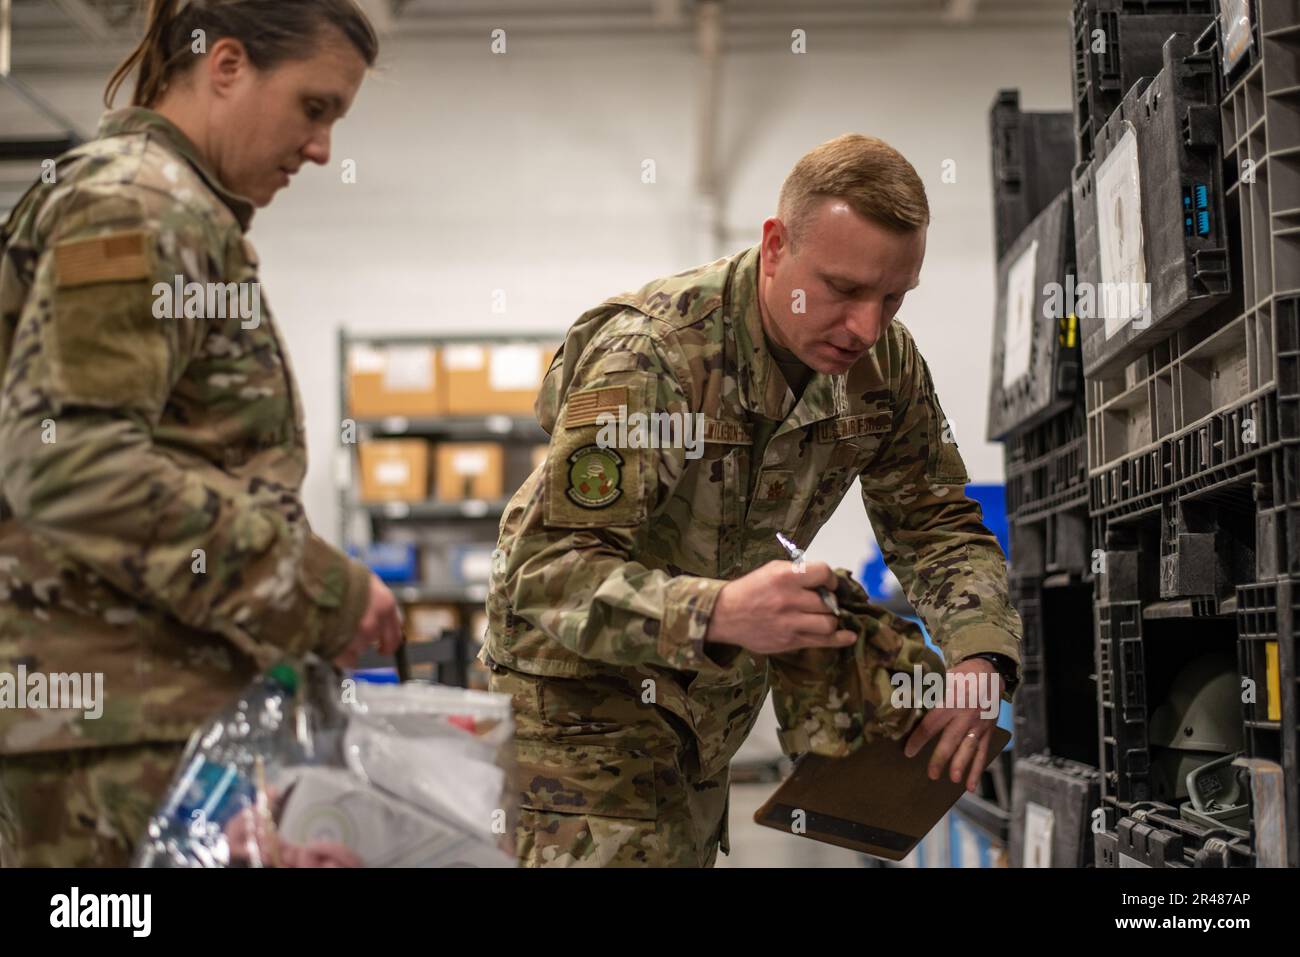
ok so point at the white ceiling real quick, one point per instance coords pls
(51, 39)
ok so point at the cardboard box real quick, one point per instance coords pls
(493, 379)
(469, 470)
(471, 564)
(394, 381)
(427, 622)
(394, 470)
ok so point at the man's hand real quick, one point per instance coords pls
(775, 609)
(380, 627)
(965, 730)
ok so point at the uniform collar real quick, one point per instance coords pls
(762, 388)
(137, 119)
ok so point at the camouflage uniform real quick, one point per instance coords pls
(151, 526)
(613, 560)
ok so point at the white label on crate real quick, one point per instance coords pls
(476, 566)
(515, 368)
(1018, 323)
(1119, 234)
(1234, 16)
(1039, 824)
(394, 472)
(363, 359)
(463, 358)
(408, 369)
(469, 462)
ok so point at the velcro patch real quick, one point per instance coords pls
(595, 477)
(848, 426)
(116, 257)
(620, 362)
(726, 433)
(584, 408)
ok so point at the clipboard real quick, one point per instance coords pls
(877, 800)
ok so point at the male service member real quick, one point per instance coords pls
(641, 603)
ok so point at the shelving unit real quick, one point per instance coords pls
(469, 522)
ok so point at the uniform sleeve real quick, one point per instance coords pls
(931, 534)
(88, 378)
(571, 570)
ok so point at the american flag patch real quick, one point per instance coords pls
(585, 408)
(117, 257)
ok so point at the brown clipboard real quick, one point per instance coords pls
(877, 800)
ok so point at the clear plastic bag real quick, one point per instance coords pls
(307, 770)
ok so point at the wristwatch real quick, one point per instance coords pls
(1006, 667)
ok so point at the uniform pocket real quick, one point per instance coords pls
(105, 348)
(572, 778)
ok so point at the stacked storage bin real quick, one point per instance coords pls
(1187, 234)
(1036, 409)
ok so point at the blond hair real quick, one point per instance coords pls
(870, 175)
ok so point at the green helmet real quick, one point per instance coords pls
(1203, 710)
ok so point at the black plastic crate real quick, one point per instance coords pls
(1108, 63)
(1036, 369)
(1052, 804)
(1154, 835)
(1059, 542)
(1277, 517)
(1260, 125)
(1122, 703)
(1207, 542)
(1047, 466)
(1032, 154)
(1153, 7)
(1237, 33)
(1201, 413)
(1029, 713)
(1165, 237)
(1267, 614)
